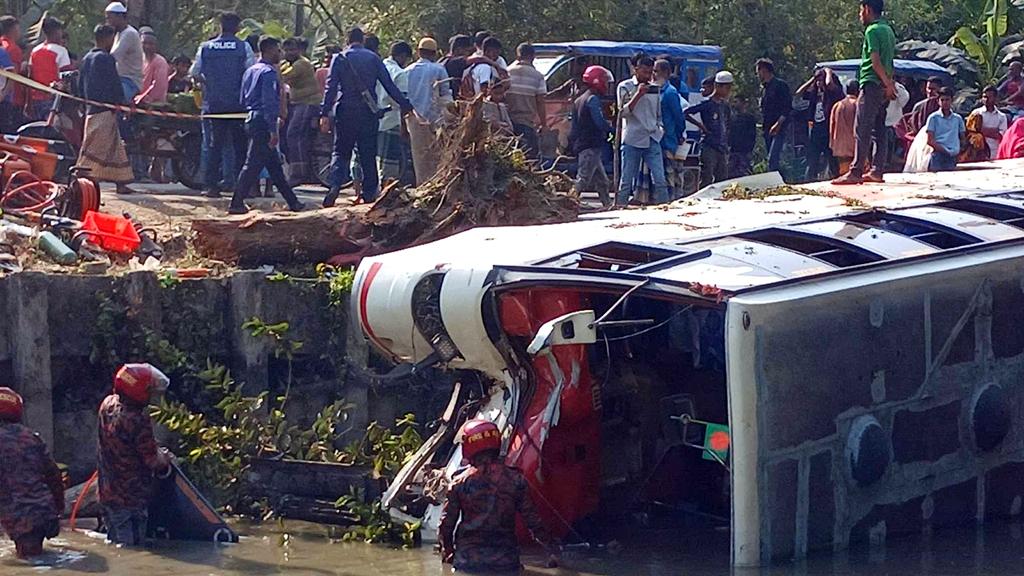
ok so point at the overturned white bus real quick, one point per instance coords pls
(815, 369)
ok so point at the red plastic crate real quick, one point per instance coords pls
(112, 233)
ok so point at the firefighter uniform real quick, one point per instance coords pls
(478, 523)
(128, 456)
(31, 491)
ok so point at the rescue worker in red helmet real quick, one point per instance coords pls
(128, 455)
(31, 491)
(588, 137)
(483, 502)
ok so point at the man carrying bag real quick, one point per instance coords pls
(351, 86)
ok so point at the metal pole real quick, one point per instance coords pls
(300, 18)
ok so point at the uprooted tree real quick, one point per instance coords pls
(484, 179)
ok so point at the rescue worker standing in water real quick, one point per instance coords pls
(128, 454)
(483, 502)
(31, 491)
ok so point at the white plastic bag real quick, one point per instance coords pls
(919, 156)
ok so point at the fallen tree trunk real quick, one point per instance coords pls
(484, 179)
(283, 237)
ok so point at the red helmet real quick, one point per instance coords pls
(139, 381)
(479, 436)
(11, 405)
(598, 78)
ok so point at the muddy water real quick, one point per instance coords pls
(303, 549)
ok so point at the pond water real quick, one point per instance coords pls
(305, 549)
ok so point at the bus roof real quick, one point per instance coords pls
(907, 67)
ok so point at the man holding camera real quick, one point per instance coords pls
(639, 102)
(351, 91)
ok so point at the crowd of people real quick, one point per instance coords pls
(264, 101)
(263, 98)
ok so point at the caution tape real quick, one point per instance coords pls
(30, 83)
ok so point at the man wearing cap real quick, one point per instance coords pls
(429, 94)
(713, 122)
(127, 50)
(156, 72)
(219, 66)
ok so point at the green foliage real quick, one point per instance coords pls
(374, 524)
(986, 48)
(339, 283)
(284, 347)
(795, 34)
(218, 448)
(384, 449)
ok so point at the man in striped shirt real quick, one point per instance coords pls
(525, 99)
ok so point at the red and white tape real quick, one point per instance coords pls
(11, 76)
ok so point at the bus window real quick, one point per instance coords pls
(693, 78)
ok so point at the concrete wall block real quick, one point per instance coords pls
(28, 308)
(304, 307)
(75, 440)
(250, 356)
(141, 293)
(73, 311)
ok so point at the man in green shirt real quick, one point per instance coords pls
(876, 90)
(303, 111)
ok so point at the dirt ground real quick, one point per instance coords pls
(167, 209)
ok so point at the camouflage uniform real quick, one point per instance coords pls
(487, 499)
(31, 491)
(128, 457)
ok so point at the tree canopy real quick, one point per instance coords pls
(795, 34)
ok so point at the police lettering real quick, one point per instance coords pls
(222, 45)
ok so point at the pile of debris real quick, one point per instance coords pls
(740, 192)
(484, 179)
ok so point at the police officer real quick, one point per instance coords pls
(31, 491)
(261, 96)
(351, 92)
(128, 454)
(219, 66)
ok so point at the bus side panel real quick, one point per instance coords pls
(883, 404)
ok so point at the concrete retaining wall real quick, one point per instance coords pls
(49, 326)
